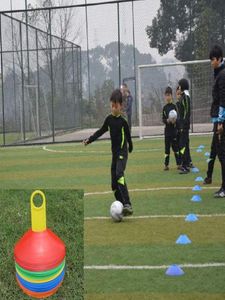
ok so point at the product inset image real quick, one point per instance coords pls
(39, 255)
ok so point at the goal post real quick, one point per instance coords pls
(152, 81)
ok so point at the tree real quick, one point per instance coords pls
(188, 27)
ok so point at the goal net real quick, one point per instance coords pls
(152, 82)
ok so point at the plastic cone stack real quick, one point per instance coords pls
(39, 255)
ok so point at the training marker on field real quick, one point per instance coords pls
(191, 218)
(198, 179)
(174, 270)
(197, 188)
(183, 239)
(199, 150)
(207, 154)
(201, 147)
(196, 198)
(194, 170)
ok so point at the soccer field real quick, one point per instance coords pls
(133, 255)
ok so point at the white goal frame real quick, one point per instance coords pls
(139, 68)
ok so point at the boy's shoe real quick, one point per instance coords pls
(127, 210)
(184, 170)
(207, 180)
(191, 165)
(220, 193)
(166, 168)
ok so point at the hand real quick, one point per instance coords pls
(86, 142)
(173, 121)
(219, 129)
(130, 148)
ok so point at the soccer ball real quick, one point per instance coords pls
(116, 211)
(172, 115)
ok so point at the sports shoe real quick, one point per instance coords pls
(184, 170)
(191, 165)
(207, 180)
(127, 210)
(220, 193)
(166, 168)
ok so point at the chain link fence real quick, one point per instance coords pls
(52, 88)
(59, 66)
(40, 83)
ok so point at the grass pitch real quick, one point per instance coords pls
(136, 241)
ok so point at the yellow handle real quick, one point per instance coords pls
(38, 214)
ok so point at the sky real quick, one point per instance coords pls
(144, 12)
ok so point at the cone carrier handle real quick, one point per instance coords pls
(38, 213)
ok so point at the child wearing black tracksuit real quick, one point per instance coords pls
(218, 113)
(170, 131)
(120, 137)
(184, 112)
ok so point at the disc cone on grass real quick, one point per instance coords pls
(196, 198)
(183, 239)
(191, 218)
(174, 270)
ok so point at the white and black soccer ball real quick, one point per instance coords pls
(116, 211)
(172, 115)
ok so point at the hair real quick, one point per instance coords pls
(124, 84)
(116, 96)
(168, 90)
(216, 51)
(184, 85)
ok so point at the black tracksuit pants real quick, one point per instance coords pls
(183, 147)
(189, 160)
(212, 157)
(219, 144)
(118, 183)
(171, 141)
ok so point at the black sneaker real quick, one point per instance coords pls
(127, 210)
(184, 170)
(220, 193)
(207, 180)
(191, 165)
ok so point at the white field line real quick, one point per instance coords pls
(102, 151)
(158, 217)
(153, 189)
(147, 267)
(95, 151)
(72, 151)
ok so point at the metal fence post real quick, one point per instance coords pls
(51, 71)
(2, 83)
(22, 86)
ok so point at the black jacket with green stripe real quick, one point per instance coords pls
(184, 111)
(119, 134)
(170, 129)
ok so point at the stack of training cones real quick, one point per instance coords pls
(197, 198)
(39, 256)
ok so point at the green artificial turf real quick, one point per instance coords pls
(143, 241)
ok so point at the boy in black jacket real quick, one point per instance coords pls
(120, 136)
(184, 112)
(218, 111)
(170, 132)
